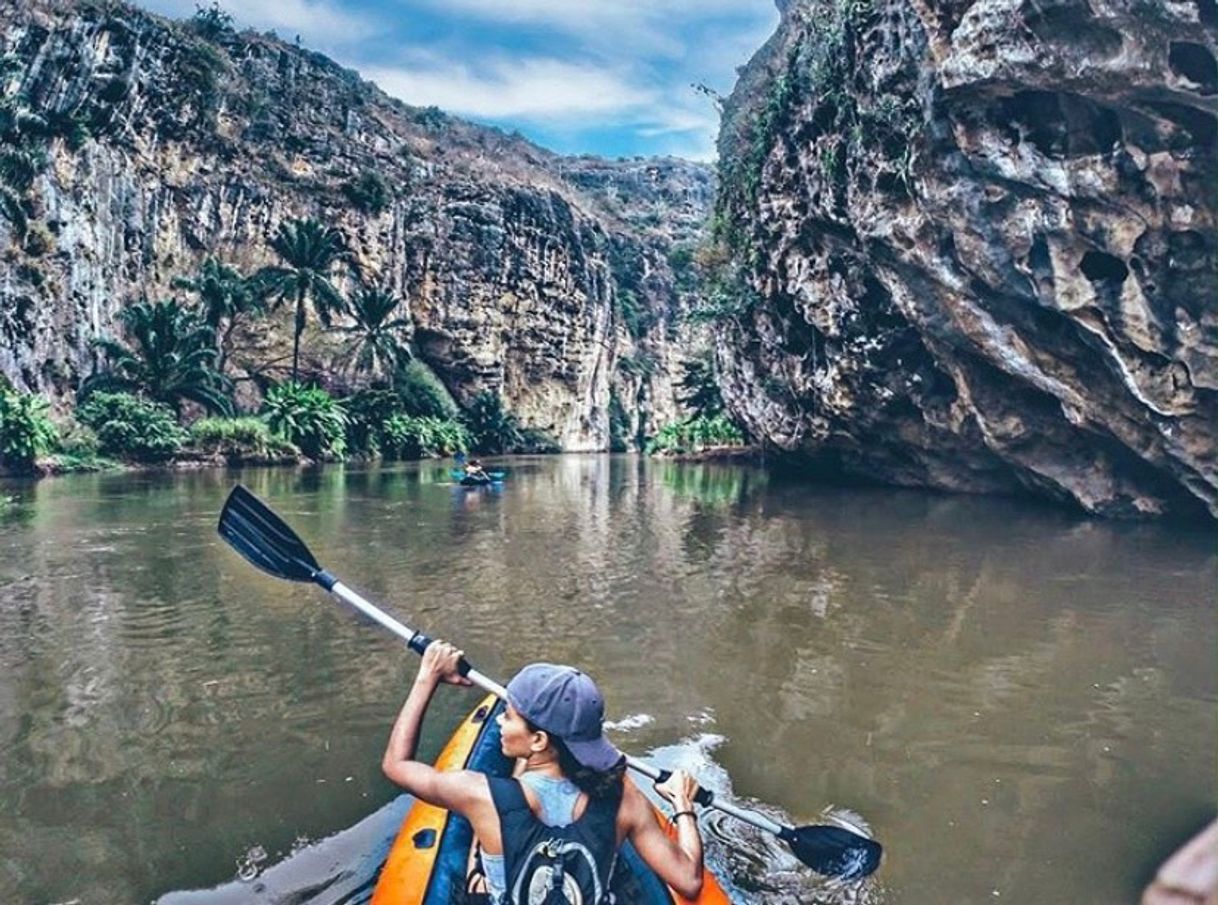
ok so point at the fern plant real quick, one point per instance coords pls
(241, 438)
(128, 427)
(408, 437)
(308, 417)
(26, 431)
(695, 434)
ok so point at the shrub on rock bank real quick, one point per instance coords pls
(26, 430)
(422, 393)
(295, 420)
(129, 427)
(408, 437)
(308, 417)
(696, 434)
(239, 439)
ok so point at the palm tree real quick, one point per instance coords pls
(309, 251)
(698, 389)
(225, 296)
(375, 346)
(492, 427)
(170, 357)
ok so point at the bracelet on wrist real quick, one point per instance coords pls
(689, 813)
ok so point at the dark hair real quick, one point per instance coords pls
(594, 783)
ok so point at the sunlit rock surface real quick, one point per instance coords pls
(977, 247)
(186, 146)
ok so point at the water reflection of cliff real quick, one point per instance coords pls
(986, 664)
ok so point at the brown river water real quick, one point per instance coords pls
(1018, 701)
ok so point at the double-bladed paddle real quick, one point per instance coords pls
(258, 534)
(458, 474)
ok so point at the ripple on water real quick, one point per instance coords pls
(935, 652)
(755, 866)
(630, 722)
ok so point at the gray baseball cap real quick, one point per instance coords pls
(565, 703)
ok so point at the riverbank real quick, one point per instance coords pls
(193, 459)
(741, 455)
(59, 466)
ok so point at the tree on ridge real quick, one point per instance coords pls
(309, 251)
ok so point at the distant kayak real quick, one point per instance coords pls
(427, 864)
(468, 480)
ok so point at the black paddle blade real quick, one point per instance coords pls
(834, 851)
(258, 534)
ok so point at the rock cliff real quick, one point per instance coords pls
(971, 246)
(167, 142)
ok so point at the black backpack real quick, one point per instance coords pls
(545, 865)
(558, 872)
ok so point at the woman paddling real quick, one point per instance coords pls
(552, 835)
(475, 473)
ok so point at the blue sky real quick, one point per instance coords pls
(609, 77)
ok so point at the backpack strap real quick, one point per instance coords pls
(517, 825)
(507, 796)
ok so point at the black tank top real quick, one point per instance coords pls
(537, 857)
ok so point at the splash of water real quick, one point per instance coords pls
(250, 864)
(757, 866)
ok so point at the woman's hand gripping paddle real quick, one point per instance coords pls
(258, 534)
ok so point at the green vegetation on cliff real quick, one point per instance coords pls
(169, 357)
(26, 431)
(696, 434)
(247, 176)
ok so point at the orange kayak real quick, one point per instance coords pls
(428, 861)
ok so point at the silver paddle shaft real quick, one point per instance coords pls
(408, 634)
(490, 685)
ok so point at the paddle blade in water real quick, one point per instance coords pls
(261, 536)
(833, 851)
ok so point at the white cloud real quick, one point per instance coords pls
(537, 90)
(587, 14)
(626, 26)
(559, 96)
(671, 120)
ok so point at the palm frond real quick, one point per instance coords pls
(13, 210)
(103, 382)
(327, 300)
(169, 355)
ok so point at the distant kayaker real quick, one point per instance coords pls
(474, 471)
(552, 833)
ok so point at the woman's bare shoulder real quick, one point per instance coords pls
(635, 805)
(473, 788)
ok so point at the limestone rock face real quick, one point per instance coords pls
(661, 207)
(973, 247)
(168, 145)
